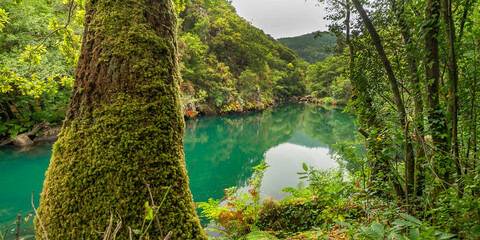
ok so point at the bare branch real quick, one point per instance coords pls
(109, 228)
(169, 235)
(39, 220)
(130, 233)
(153, 205)
(119, 225)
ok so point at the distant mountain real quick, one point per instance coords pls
(309, 48)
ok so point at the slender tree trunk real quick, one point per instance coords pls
(6, 111)
(349, 40)
(436, 122)
(399, 10)
(468, 5)
(474, 111)
(409, 158)
(453, 83)
(124, 127)
(378, 164)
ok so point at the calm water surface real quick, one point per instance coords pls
(220, 153)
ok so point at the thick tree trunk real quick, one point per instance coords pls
(409, 157)
(124, 125)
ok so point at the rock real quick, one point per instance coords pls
(307, 98)
(22, 140)
(49, 134)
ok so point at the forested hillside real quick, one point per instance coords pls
(227, 65)
(313, 47)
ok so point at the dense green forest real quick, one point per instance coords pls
(227, 65)
(230, 65)
(408, 68)
(313, 47)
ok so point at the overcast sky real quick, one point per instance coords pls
(283, 18)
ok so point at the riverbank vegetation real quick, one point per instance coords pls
(415, 88)
(330, 204)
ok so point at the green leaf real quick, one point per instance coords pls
(411, 219)
(148, 212)
(342, 223)
(446, 236)
(304, 165)
(414, 234)
(403, 223)
(372, 233)
(137, 231)
(379, 229)
(395, 235)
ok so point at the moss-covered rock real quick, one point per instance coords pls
(124, 124)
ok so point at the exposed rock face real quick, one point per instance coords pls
(22, 140)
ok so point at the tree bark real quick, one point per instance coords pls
(409, 158)
(124, 124)
(436, 122)
(453, 84)
(399, 10)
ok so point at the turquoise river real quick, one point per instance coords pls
(220, 153)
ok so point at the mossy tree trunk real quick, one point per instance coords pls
(124, 124)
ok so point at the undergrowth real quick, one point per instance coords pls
(330, 205)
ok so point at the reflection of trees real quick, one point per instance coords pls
(329, 126)
(221, 151)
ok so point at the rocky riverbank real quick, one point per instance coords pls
(43, 131)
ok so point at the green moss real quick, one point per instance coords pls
(101, 157)
(98, 165)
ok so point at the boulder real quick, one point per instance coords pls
(22, 140)
(307, 98)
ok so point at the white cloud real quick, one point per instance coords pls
(283, 18)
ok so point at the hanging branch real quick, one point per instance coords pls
(71, 9)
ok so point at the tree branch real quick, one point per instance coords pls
(39, 220)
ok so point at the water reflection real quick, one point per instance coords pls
(285, 161)
(221, 151)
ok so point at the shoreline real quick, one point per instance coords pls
(49, 132)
